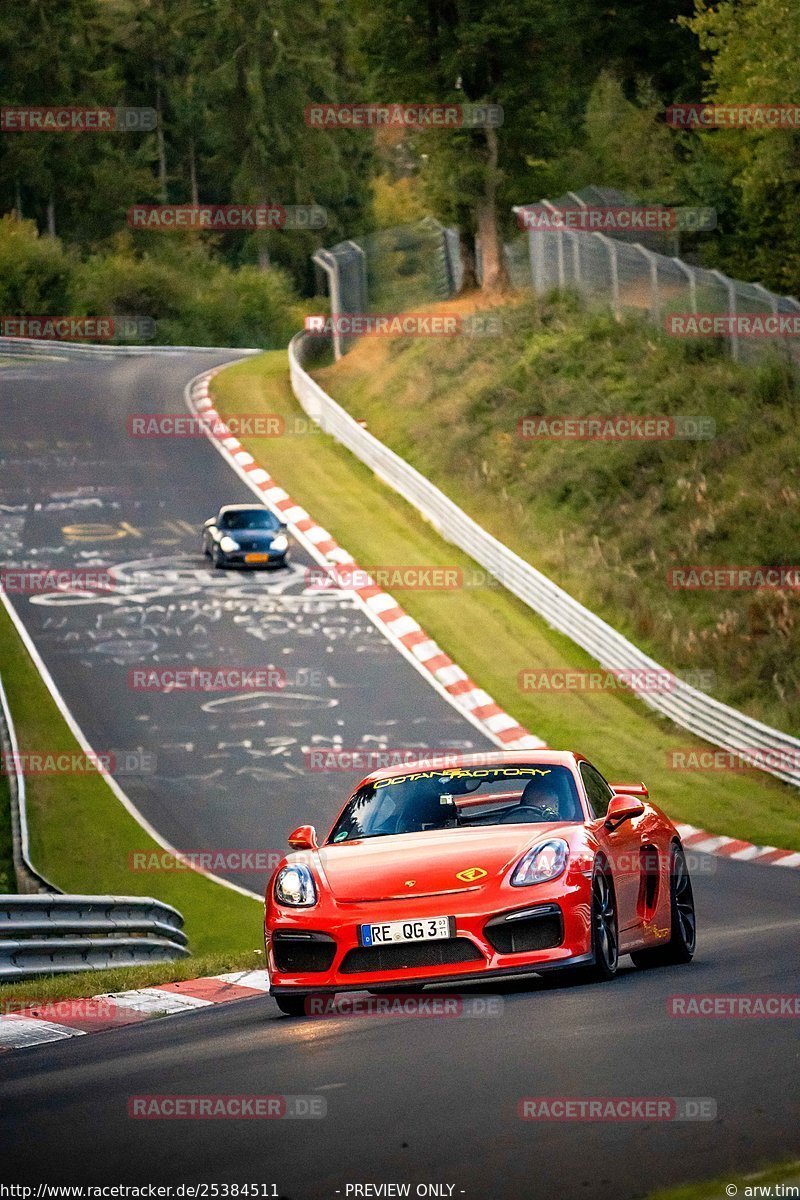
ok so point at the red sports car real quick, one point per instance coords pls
(478, 867)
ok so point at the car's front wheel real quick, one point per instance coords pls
(291, 1005)
(605, 930)
(683, 922)
(219, 559)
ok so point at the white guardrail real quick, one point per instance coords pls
(717, 723)
(53, 935)
(50, 933)
(28, 347)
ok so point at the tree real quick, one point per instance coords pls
(265, 62)
(531, 58)
(752, 59)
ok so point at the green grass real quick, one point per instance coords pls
(746, 1185)
(490, 633)
(83, 984)
(81, 836)
(606, 520)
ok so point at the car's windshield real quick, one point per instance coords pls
(250, 518)
(459, 798)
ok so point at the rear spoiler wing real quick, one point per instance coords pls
(630, 789)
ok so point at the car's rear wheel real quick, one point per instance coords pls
(683, 922)
(291, 1005)
(206, 550)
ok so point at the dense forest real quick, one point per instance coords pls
(583, 88)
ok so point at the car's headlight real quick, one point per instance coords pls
(227, 544)
(281, 542)
(546, 861)
(295, 886)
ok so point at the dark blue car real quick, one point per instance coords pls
(245, 535)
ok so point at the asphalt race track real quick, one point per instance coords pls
(227, 770)
(417, 1100)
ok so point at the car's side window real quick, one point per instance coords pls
(597, 789)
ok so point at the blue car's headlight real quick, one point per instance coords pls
(227, 545)
(279, 543)
(294, 886)
(546, 861)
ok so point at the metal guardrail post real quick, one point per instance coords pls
(611, 247)
(691, 275)
(655, 300)
(362, 274)
(559, 246)
(325, 260)
(576, 250)
(730, 287)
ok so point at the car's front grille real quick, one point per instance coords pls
(301, 951)
(411, 954)
(540, 928)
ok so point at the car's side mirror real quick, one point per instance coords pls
(622, 808)
(303, 838)
(209, 522)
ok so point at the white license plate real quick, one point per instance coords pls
(389, 933)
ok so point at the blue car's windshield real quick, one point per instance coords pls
(457, 798)
(251, 518)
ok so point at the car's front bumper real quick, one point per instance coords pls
(334, 928)
(238, 558)
(498, 975)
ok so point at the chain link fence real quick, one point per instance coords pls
(390, 271)
(395, 270)
(643, 273)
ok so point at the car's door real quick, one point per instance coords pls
(622, 845)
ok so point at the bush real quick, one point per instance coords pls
(192, 297)
(35, 272)
(247, 307)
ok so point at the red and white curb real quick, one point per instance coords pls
(58, 1020)
(463, 693)
(734, 848)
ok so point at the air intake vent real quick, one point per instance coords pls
(528, 929)
(301, 951)
(421, 954)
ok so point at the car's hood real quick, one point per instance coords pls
(402, 866)
(253, 539)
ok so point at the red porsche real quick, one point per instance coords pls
(478, 867)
